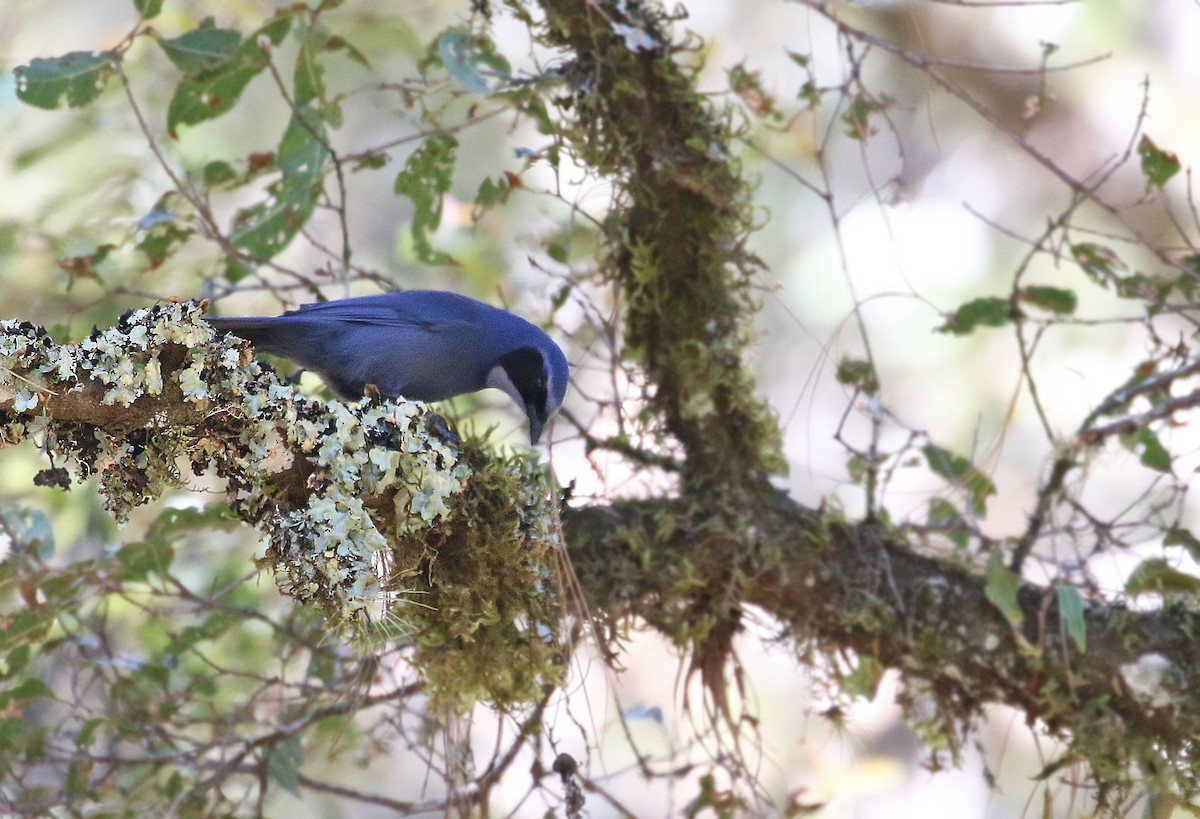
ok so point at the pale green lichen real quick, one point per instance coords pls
(326, 545)
(126, 357)
(350, 449)
(332, 543)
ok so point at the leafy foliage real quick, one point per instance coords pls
(472, 61)
(958, 469)
(1054, 299)
(983, 312)
(77, 78)
(204, 49)
(425, 180)
(1158, 165)
(1002, 587)
(1070, 606)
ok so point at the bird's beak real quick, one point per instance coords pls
(536, 422)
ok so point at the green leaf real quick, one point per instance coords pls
(204, 49)
(1154, 454)
(1182, 537)
(959, 470)
(87, 731)
(266, 228)
(309, 76)
(1158, 166)
(29, 626)
(560, 296)
(173, 524)
(278, 27)
(149, 9)
(465, 56)
(371, 161)
(213, 627)
(86, 265)
(858, 373)
(1100, 263)
(1053, 299)
(161, 240)
(425, 180)
(945, 517)
(857, 118)
(1070, 606)
(76, 785)
(218, 174)
(492, 193)
(535, 110)
(210, 94)
(858, 468)
(1156, 576)
(143, 558)
(284, 763)
(990, 311)
(159, 675)
(336, 43)
(1000, 587)
(79, 77)
(17, 659)
(28, 689)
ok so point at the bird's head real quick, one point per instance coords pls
(536, 378)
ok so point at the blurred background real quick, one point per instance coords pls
(977, 126)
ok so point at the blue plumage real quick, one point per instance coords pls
(425, 345)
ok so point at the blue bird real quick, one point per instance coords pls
(424, 345)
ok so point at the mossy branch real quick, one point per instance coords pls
(677, 248)
(678, 253)
(1128, 702)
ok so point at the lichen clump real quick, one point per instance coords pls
(364, 506)
(181, 395)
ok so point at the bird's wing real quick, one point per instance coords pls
(381, 313)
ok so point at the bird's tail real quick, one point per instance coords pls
(266, 334)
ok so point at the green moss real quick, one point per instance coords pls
(480, 594)
(677, 247)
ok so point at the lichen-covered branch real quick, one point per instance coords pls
(363, 506)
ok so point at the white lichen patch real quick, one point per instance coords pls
(268, 448)
(25, 400)
(1144, 679)
(252, 429)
